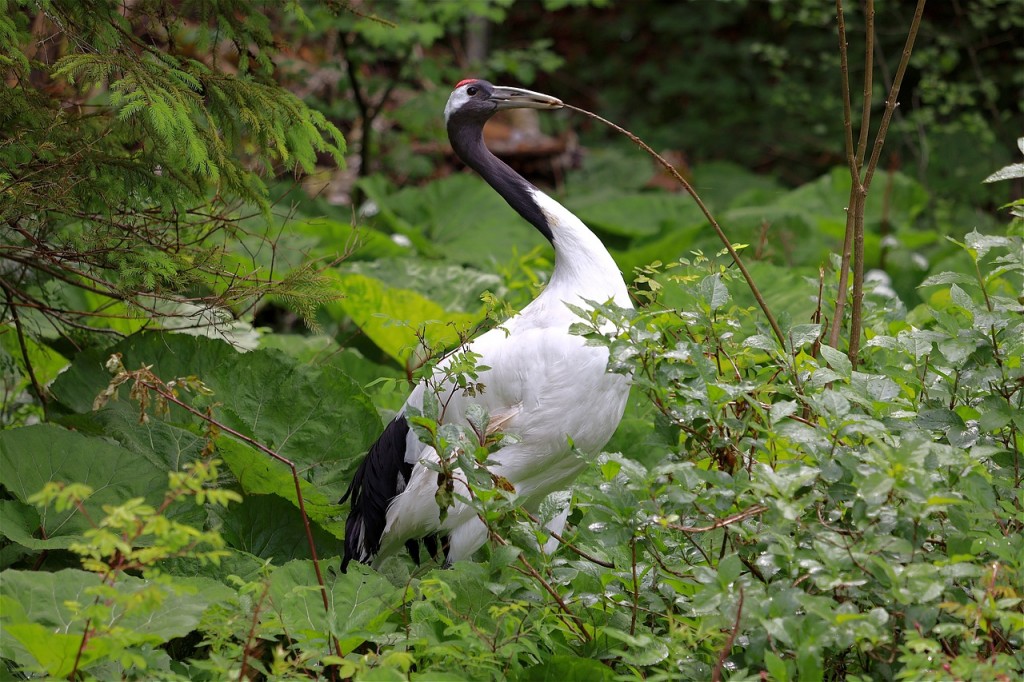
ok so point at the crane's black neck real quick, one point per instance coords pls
(468, 142)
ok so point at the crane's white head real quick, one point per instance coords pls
(478, 100)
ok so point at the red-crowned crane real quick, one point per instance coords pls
(543, 385)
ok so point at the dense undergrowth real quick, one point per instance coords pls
(193, 359)
(761, 511)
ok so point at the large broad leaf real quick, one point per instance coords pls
(897, 197)
(20, 523)
(620, 168)
(567, 669)
(262, 475)
(462, 219)
(723, 185)
(167, 446)
(42, 632)
(319, 419)
(270, 527)
(46, 362)
(390, 316)
(675, 243)
(233, 565)
(636, 215)
(32, 456)
(318, 351)
(454, 287)
(280, 248)
(170, 355)
(360, 601)
(316, 417)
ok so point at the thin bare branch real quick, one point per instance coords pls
(721, 523)
(869, 67)
(13, 307)
(716, 674)
(565, 543)
(707, 214)
(160, 388)
(891, 100)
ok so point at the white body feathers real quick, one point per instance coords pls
(544, 385)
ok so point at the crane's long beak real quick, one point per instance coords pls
(518, 98)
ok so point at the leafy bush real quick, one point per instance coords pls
(786, 514)
(768, 509)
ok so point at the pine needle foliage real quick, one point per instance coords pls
(136, 138)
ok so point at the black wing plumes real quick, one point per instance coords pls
(383, 474)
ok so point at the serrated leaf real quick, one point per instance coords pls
(635, 215)
(642, 649)
(961, 298)
(454, 212)
(391, 316)
(315, 416)
(359, 602)
(433, 280)
(782, 409)
(270, 527)
(776, 667)
(714, 292)
(837, 360)
(948, 278)
(43, 605)
(20, 523)
(800, 335)
(761, 342)
(261, 475)
(983, 243)
(167, 446)
(1014, 170)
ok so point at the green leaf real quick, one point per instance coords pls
(261, 475)
(270, 527)
(32, 456)
(642, 649)
(949, 278)
(1014, 170)
(46, 362)
(315, 416)
(390, 316)
(808, 663)
(562, 668)
(433, 280)
(776, 667)
(165, 445)
(636, 215)
(20, 522)
(837, 360)
(39, 616)
(800, 335)
(171, 355)
(360, 601)
(714, 292)
(463, 219)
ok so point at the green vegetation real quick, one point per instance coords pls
(194, 354)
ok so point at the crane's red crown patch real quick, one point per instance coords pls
(464, 81)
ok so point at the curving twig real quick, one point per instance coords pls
(707, 214)
(565, 543)
(861, 176)
(721, 523)
(145, 378)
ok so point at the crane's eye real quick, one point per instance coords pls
(472, 90)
